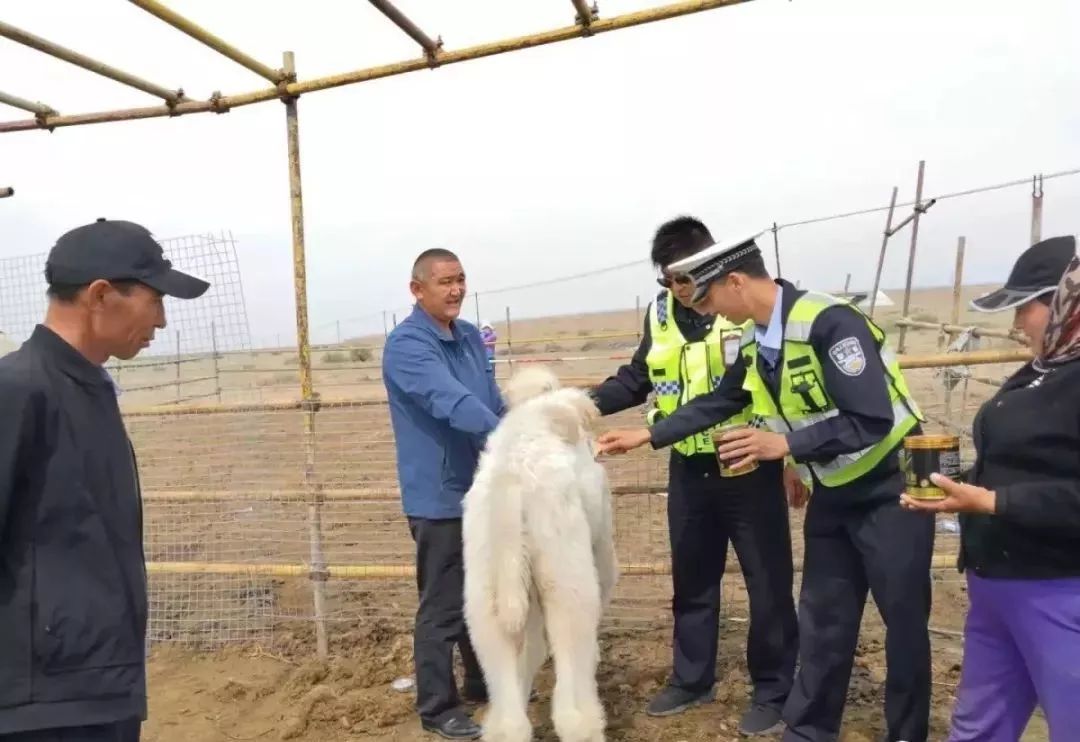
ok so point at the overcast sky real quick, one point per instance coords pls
(559, 159)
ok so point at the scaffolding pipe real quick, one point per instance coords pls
(881, 255)
(402, 571)
(370, 494)
(92, 65)
(911, 251)
(776, 248)
(224, 103)
(954, 329)
(308, 403)
(1036, 208)
(15, 101)
(971, 358)
(388, 9)
(201, 35)
(7, 192)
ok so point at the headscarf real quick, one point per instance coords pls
(1061, 343)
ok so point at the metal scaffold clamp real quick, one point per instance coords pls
(171, 103)
(965, 342)
(585, 16)
(216, 103)
(432, 54)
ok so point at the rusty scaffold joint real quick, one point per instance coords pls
(431, 47)
(585, 15)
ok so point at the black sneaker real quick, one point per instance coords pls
(759, 719)
(453, 725)
(672, 700)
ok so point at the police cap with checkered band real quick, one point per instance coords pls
(715, 261)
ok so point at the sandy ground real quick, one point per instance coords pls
(249, 693)
(230, 488)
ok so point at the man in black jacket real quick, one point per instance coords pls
(73, 603)
(679, 358)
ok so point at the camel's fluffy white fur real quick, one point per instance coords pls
(539, 558)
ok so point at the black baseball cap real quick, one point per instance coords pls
(117, 251)
(1036, 272)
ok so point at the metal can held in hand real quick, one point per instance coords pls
(926, 454)
(726, 469)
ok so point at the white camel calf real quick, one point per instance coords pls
(539, 557)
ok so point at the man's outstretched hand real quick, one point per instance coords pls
(621, 441)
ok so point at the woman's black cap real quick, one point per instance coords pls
(1037, 271)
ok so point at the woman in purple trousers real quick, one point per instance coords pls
(1020, 517)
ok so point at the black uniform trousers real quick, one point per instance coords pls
(123, 731)
(440, 619)
(851, 549)
(705, 512)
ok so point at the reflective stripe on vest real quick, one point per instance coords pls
(804, 400)
(681, 370)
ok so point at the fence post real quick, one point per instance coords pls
(476, 298)
(217, 370)
(776, 247)
(637, 317)
(911, 252)
(1036, 208)
(177, 365)
(881, 255)
(509, 344)
(958, 282)
(385, 329)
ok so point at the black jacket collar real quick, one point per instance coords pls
(64, 357)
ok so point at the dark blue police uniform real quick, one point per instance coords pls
(705, 513)
(857, 539)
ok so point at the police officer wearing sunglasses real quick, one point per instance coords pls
(816, 372)
(682, 356)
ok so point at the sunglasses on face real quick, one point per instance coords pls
(666, 280)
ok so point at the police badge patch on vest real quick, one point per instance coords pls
(847, 355)
(732, 345)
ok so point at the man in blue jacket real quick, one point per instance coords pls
(443, 404)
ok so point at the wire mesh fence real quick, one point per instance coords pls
(215, 321)
(229, 521)
(225, 495)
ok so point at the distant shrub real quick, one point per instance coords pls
(334, 357)
(360, 355)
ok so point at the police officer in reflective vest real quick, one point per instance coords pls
(818, 376)
(683, 355)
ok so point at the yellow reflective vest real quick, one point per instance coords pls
(680, 370)
(805, 401)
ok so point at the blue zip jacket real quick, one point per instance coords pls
(443, 404)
